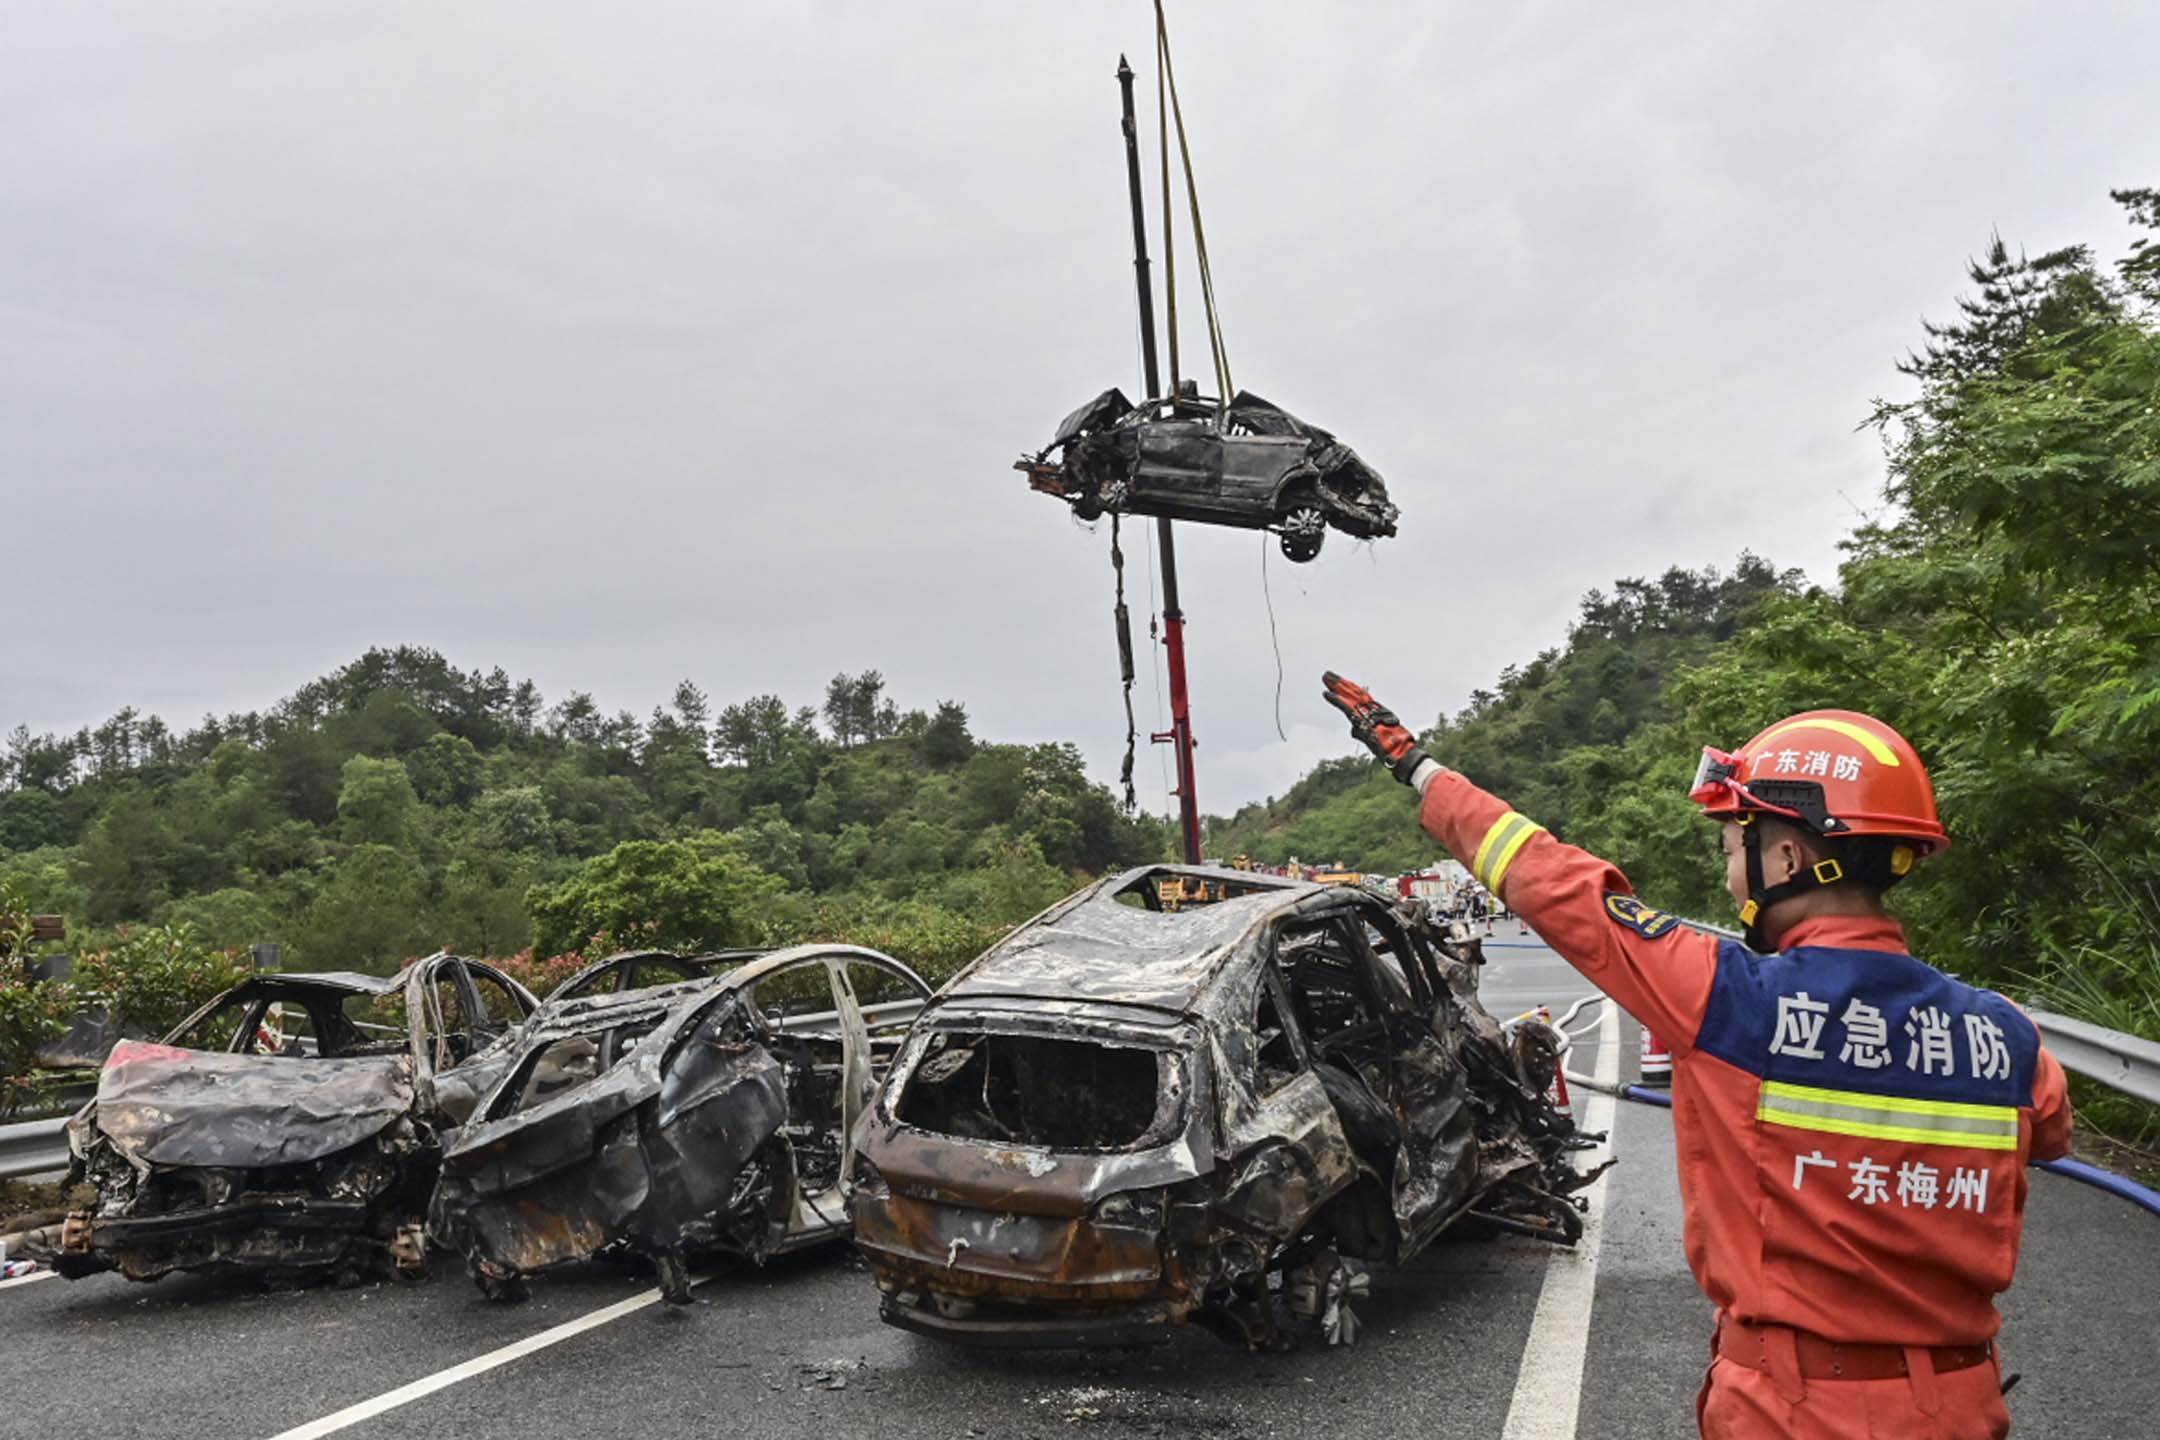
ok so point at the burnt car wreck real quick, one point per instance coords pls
(1247, 464)
(707, 1116)
(1123, 1117)
(287, 1128)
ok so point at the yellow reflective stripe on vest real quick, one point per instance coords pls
(1509, 834)
(1889, 1117)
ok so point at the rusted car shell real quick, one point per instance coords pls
(654, 1154)
(271, 1163)
(995, 1240)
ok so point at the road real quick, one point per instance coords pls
(796, 1349)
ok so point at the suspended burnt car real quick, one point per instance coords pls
(289, 1126)
(700, 1117)
(1123, 1117)
(1247, 464)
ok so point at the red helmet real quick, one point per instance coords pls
(1838, 772)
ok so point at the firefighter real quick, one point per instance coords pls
(1852, 1126)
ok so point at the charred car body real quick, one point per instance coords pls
(707, 1116)
(1122, 1117)
(459, 1091)
(1247, 464)
(289, 1126)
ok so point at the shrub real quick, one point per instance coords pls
(31, 1013)
(935, 941)
(541, 975)
(155, 977)
(694, 894)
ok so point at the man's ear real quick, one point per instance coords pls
(1792, 859)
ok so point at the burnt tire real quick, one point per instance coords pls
(503, 1286)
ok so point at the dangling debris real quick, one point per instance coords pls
(1249, 464)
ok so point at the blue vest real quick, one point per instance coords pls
(1868, 1021)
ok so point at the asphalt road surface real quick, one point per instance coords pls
(1472, 1339)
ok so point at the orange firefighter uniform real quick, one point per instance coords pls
(1852, 1129)
(1852, 1126)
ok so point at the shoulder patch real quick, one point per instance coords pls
(1628, 911)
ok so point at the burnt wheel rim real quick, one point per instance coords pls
(1303, 528)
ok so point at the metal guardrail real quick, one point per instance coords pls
(33, 1147)
(2124, 1061)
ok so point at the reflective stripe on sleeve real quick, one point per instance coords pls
(1509, 834)
(1889, 1117)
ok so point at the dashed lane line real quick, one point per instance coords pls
(1548, 1386)
(31, 1279)
(479, 1365)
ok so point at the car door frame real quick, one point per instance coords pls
(1290, 1155)
(421, 1013)
(1413, 1079)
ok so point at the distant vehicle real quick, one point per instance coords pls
(289, 1126)
(1123, 1117)
(708, 1115)
(1248, 464)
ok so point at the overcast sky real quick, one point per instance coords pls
(619, 344)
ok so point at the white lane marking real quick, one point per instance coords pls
(478, 1365)
(1548, 1386)
(31, 1279)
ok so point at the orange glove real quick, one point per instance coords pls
(1374, 725)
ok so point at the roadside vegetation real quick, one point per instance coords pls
(400, 805)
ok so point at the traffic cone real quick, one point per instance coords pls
(1656, 1061)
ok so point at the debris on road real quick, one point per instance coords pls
(1126, 1116)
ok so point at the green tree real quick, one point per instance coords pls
(696, 893)
(946, 740)
(445, 770)
(376, 802)
(369, 914)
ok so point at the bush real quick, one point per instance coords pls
(2115, 984)
(541, 975)
(155, 978)
(31, 1014)
(694, 894)
(935, 941)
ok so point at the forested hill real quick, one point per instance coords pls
(1544, 736)
(402, 803)
(2005, 616)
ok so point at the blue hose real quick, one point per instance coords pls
(2120, 1186)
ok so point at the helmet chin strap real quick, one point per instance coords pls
(1761, 897)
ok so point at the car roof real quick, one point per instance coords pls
(1097, 948)
(609, 1008)
(349, 982)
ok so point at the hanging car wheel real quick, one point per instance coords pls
(1302, 531)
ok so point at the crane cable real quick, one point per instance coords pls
(1166, 105)
(1166, 85)
(1125, 661)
